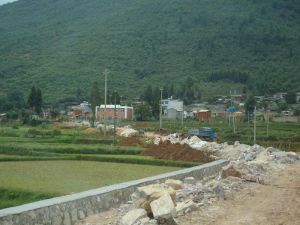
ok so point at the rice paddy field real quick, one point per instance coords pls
(43, 162)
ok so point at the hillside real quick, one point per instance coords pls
(62, 45)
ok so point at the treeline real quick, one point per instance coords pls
(16, 107)
(231, 76)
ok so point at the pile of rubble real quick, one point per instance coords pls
(126, 131)
(236, 151)
(163, 203)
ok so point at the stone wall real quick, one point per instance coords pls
(67, 209)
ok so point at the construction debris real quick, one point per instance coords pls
(164, 203)
(127, 131)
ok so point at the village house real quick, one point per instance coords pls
(108, 112)
(172, 109)
(82, 112)
(203, 115)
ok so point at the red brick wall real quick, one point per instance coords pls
(110, 113)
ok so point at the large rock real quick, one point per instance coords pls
(163, 208)
(133, 216)
(143, 196)
(175, 184)
(230, 170)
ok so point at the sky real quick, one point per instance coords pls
(6, 1)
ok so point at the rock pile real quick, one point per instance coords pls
(127, 131)
(237, 151)
(163, 203)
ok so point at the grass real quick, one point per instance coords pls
(13, 197)
(43, 163)
(24, 148)
(65, 177)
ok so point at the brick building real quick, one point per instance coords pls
(122, 112)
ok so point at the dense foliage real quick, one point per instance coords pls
(61, 46)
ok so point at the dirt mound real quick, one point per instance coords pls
(131, 141)
(176, 152)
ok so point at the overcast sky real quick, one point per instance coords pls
(6, 1)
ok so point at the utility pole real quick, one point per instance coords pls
(115, 117)
(182, 117)
(160, 112)
(267, 123)
(254, 129)
(106, 72)
(233, 122)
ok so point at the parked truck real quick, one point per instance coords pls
(203, 132)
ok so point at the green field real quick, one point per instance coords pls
(42, 162)
(65, 177)
(55, 178)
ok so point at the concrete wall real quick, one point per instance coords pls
(66, 210)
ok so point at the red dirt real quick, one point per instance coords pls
(131, 141)
(176, 152)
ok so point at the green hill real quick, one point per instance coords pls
(62, 45)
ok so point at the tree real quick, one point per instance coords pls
(155, 104)
(35, 100)
(32, 97)
(250, 104)
(165, 92)
(38, 101)
(143, 112)
(148, 95)
(95, 99)
(116, 95)
(291, 97)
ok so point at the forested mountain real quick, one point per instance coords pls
(63, 45)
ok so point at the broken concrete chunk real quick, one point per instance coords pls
(133, 216)
(163, 207)
(175, 184)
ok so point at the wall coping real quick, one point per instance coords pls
(69, 198)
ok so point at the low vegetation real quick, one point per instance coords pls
(29, 181)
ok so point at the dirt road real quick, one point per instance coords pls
(275, 203)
